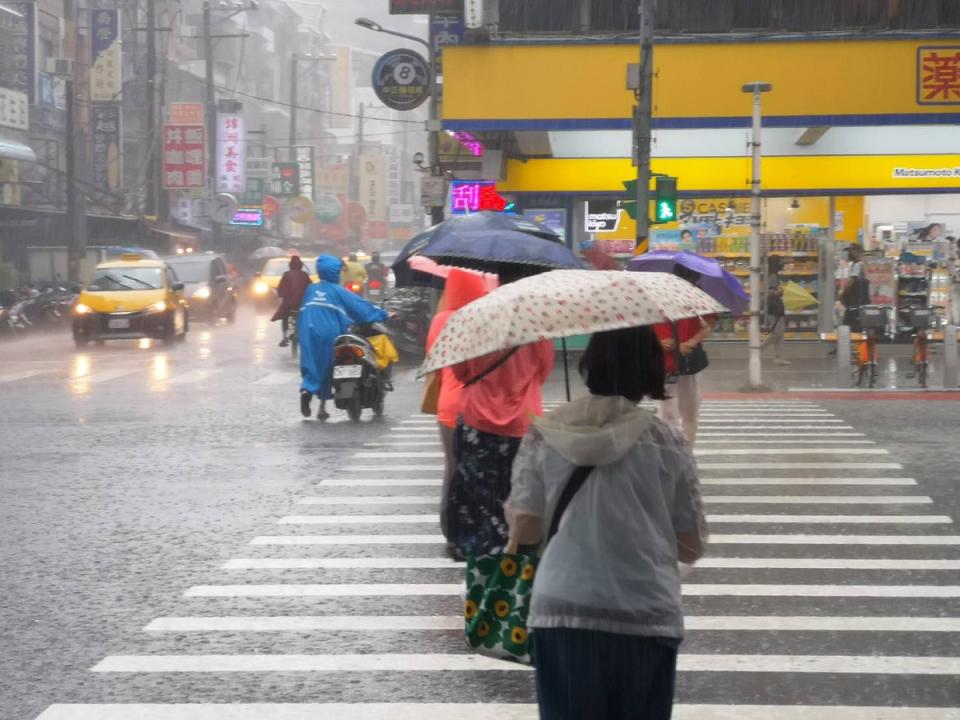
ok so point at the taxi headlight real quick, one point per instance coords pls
(158, 306)
(260, 287)
(81, 309)
(202, 292)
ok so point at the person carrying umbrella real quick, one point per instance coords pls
(776, 309)
(293, 285)
(327, 311)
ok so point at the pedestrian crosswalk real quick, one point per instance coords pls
(830, 591)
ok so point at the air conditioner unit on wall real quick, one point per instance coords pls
(59, 66)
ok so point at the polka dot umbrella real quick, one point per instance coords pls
(562, 303)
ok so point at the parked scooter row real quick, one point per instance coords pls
(31, 310)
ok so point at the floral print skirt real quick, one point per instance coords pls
(478, 489)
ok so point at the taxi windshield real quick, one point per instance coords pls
(276, 267)
(126, 278)
(191, 271)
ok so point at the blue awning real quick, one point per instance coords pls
(13, 150)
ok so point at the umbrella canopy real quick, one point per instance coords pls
(714, 280)
(485, 241)
(267, 252)
(419, 263)
(562, 303)
(795, 297)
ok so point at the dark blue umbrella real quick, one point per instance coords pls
(714, 280)
(488, 241)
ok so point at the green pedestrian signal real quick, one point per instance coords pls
(665, 206)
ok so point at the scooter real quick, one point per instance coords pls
(358, 381)
(409, 323)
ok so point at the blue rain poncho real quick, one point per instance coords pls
(328, 310)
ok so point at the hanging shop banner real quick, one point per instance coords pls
(186, 113)
(258, 181)
(373, 186)
(105, 129)
(334, 178)
(18, 59)
(184, 157)
(106, 75)
(394, 177)
(341, 88)
(425, 7)
(304, 155)
(285, 179)
(231, 153)
(401, 79)
(14, 109)
(445, 30)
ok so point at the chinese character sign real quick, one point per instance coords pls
(373, 189)
(469, 196)
(445, 30)
(285, 179)
(938, 75)
(184, 155)
(18, 49)
(105, 127)
(14, 109)
(231, 153)
(106, 76)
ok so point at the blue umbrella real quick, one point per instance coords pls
(714, 280)
(488, 241)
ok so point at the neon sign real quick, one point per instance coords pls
(248, 217)
(469, 141)
(469, 196)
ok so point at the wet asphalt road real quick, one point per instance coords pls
(130, 476)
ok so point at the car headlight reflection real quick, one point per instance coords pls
(158, 306)
(260, 287)
(81, 309)
(202, 292)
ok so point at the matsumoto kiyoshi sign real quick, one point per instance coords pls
(908, 172)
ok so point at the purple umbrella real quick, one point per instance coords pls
(714, 280)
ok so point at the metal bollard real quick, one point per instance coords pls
(950, 356)
(843, 355)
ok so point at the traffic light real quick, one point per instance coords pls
(630, 206)
(665, 206)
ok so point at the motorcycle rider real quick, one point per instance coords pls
(293, 285)
(376, 270)
(327, 311)
(353, 272)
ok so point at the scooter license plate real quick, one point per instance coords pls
(345, 372)
(118, 323)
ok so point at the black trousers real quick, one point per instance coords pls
(603, 676)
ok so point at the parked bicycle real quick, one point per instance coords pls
(873, 323)
(921, 319)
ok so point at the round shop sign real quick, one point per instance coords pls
(328, 209)
(299, 209)
(401, 79)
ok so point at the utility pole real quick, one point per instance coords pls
(643, 122)
(433, 127)
(211, 99)
(76, 218)
(294, 59)
(152, 204)
(755, 371)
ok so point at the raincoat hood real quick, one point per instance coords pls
(462, 288)
(296, 263)
(328, 268)
(594, 430)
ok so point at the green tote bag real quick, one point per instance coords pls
(499, 588)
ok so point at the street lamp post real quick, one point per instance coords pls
(755, 371)
(433, 123)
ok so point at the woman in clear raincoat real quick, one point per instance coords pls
(328, 310)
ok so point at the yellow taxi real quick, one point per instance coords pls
(266, 282)
(128, 298)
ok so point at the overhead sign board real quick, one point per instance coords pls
(425, 7)
(186, 113)
(106, 74)
(401, 79)
(601, 216)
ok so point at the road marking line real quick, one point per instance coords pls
(357, 519)
(371, 500)
(331, 590)
(798, 500)
(399, 454)
(465, 711)
(751, 539)
(727, 441)
(391, 468)
(832, 519)
(278, 378)
(348, 540)
(790, 451)
(779, 419)
(740, 427)
(472, 662)
(23, 375)
(412, 443)
(376, 482)
(192, 377)
(106, 375)
(431, 623)
(798, 481)
(776, 434)
(385, 563)
(718, 563)
(788, 466)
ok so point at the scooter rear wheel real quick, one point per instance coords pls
(355, 409)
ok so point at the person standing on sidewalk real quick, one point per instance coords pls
(501, 395)
(776, 310)
(606, 611)
(460, 289)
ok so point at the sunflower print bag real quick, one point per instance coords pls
(497, 604)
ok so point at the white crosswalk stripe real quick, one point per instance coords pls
(843, 609)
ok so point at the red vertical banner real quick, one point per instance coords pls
(184, 157)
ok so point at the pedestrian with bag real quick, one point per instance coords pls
(856, 290)
(776, 310)
(461, 287)
(619, 489)
(684, 358)
(501, 395)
